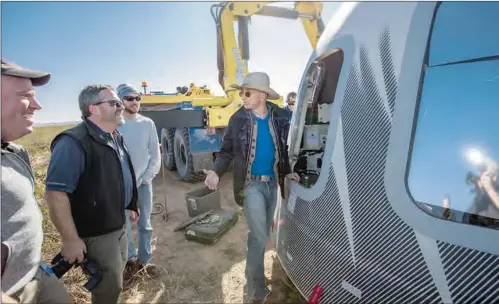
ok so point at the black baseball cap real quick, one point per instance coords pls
(38, 78)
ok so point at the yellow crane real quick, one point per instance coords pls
(180, 129)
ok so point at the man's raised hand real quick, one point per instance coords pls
(211, 180)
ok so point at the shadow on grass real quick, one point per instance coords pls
(283, 290)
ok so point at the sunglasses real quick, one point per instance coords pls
(247, 93)
(131, 98)
(112, 103)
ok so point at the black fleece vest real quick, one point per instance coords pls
(97, 204)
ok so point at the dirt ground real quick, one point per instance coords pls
(197, 273)
(192, 272)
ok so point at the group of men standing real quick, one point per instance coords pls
(99, 181)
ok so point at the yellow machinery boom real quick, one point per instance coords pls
(233, 57)
(233, 54)
(191, 122)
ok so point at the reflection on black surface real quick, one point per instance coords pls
(453, 174)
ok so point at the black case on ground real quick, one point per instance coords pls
(209, 229)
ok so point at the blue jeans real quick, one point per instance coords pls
(144, 227)
(260, 199)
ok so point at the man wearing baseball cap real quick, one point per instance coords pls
(25, 277)
(255, 139)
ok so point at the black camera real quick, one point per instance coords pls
(90, 268)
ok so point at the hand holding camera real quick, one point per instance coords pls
(90, 268)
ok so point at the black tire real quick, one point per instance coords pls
(183, 157)
(167, 146)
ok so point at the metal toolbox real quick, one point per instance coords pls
(202, 200)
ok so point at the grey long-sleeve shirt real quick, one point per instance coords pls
(141, 139)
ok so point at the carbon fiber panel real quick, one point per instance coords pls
(473, 276)
(388, 69)
(333, 256)
(297, 258)
(389, 265)
(316, 240)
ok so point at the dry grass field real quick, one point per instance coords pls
(192, 272)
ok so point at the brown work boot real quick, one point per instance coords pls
(152, 270)
(131, 268)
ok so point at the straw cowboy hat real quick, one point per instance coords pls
(258, 81)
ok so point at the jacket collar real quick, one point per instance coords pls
(5, 146)
(270, 106)
(98, 134)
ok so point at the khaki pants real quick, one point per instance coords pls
(110, 252)
(43, 288)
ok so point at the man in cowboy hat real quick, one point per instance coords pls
(255, 139)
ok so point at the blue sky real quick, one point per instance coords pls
(168, 44)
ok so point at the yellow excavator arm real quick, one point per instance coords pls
(233, 55)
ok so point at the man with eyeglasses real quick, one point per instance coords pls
(255, 139)
(141, 137)
(90, 182)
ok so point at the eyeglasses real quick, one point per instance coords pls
(247, 93)
(112, 103)
(132, 98)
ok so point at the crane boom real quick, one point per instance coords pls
(233, 54)
(191, 122)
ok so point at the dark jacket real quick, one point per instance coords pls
(98, 204)
(239, 145)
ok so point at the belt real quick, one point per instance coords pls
(261, 178)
